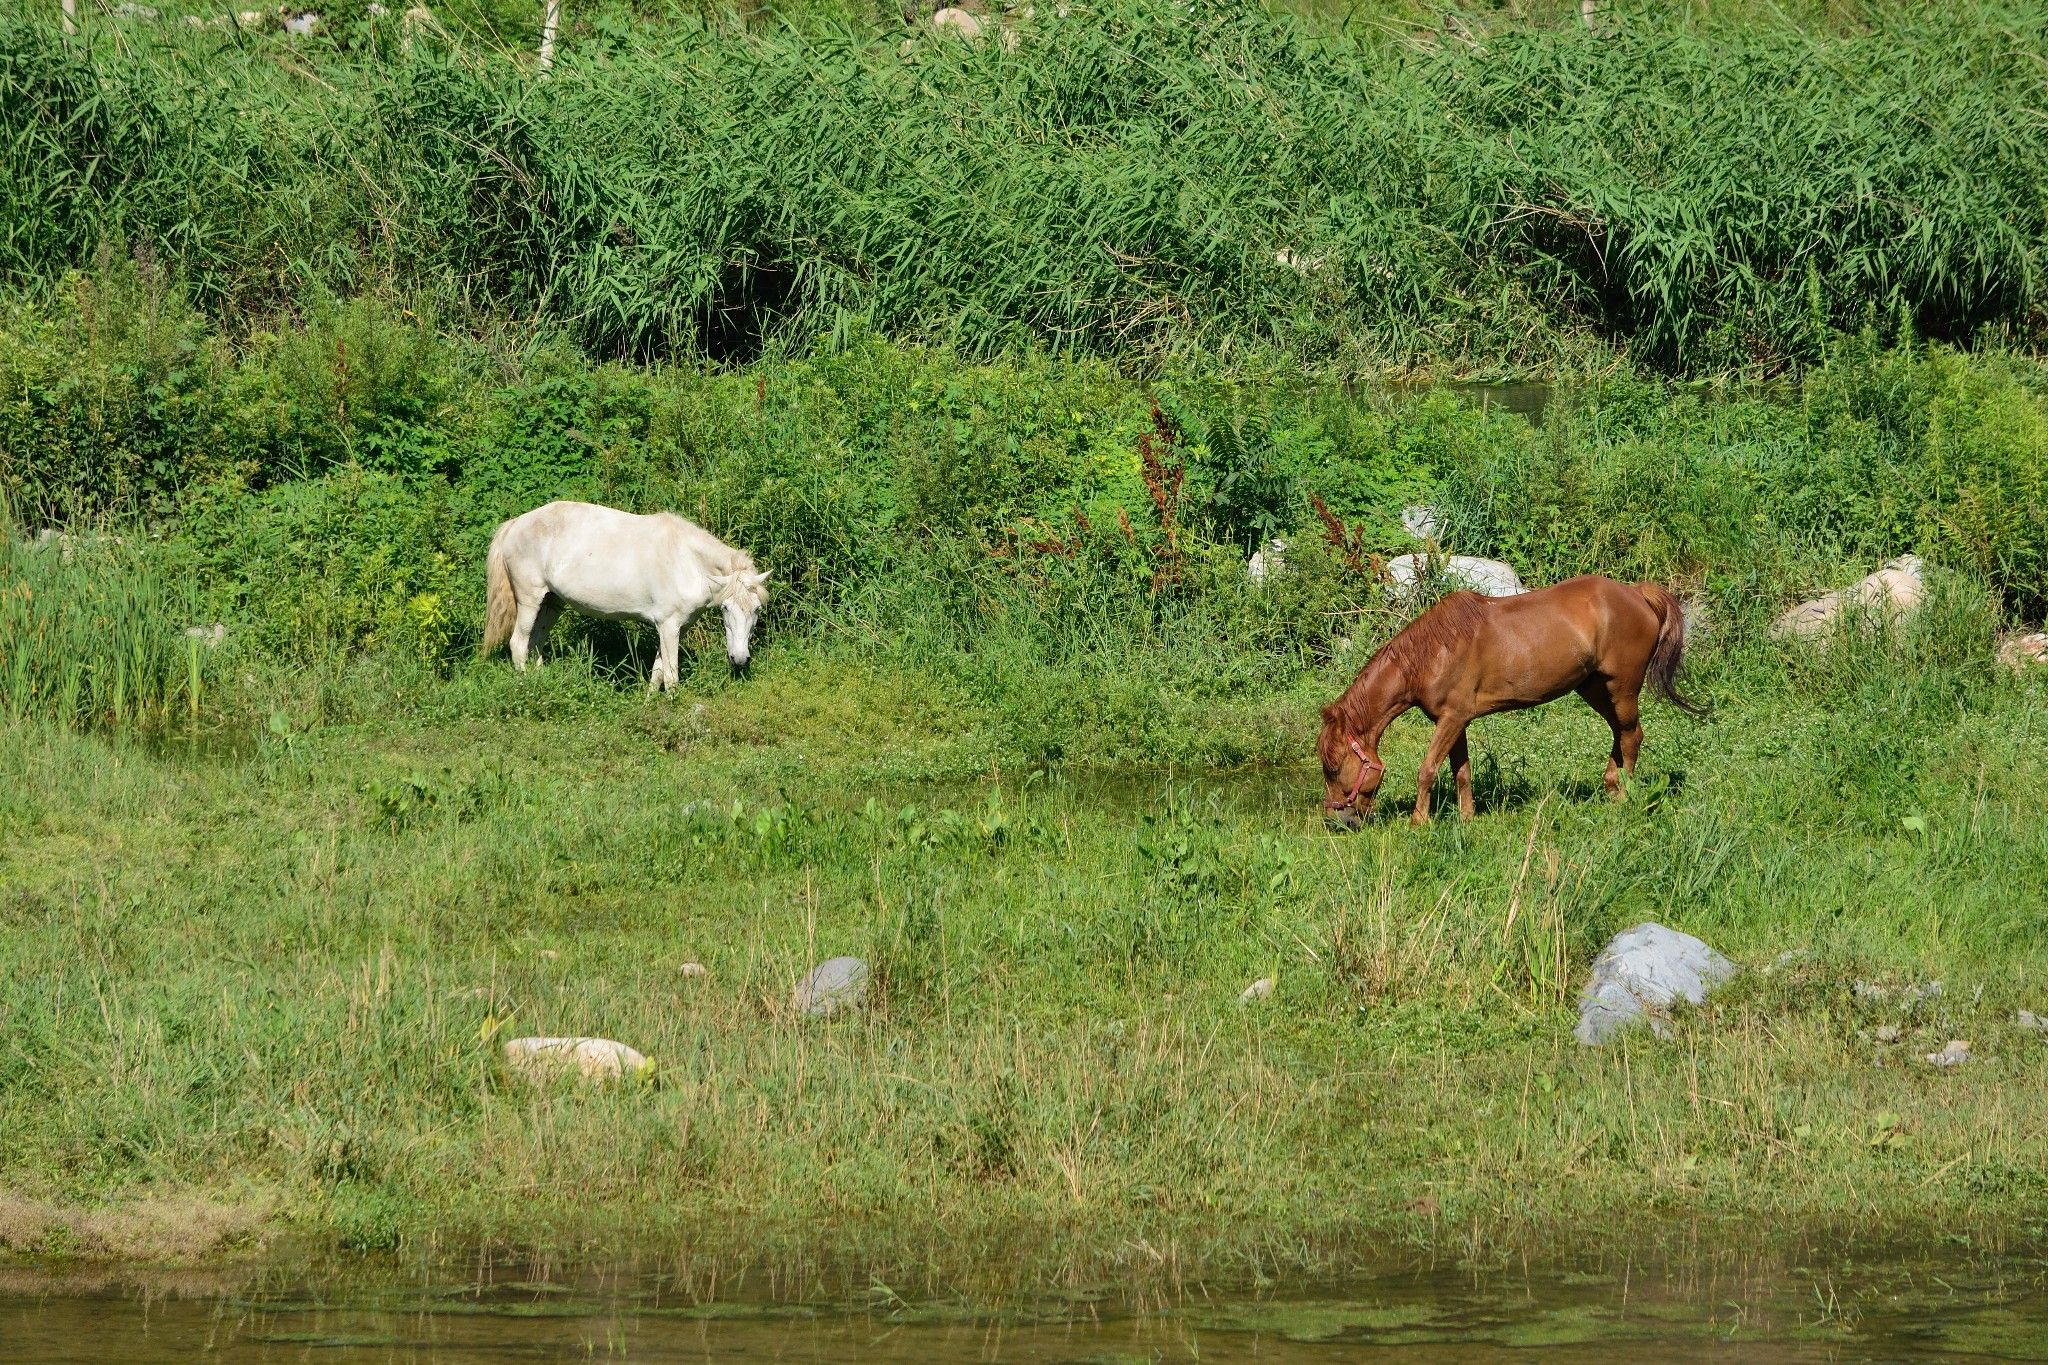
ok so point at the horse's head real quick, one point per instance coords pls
(743, 594)
(1351, 773)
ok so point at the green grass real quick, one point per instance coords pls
(273, 972)
(1712, 193)
(1020, 732)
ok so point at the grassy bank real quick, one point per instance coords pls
(1021, 732)
(1710, 193)
(270, 981)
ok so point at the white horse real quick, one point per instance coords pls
(659, 569)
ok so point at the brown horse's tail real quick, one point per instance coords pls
(501, 607)
(1669, 652)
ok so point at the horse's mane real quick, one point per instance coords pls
(725, 559)
(1453, 620)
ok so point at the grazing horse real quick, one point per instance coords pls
(1470, 656)
(659, 569)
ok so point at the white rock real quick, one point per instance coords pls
(2023, 651)
(248, 18)
(1422, 522)
(1642, 972)
(300, 22)
(593, 1059)
(832, 987)
(1258, 990)
(1954, 1054)
(1301, 263)
(209, 635)
(958, 22)
(2027, 1019)
(1892, 592)
(1267, 560)
(1488, 576)
(1888, 1033)
(692, 969)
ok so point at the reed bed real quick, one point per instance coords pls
(1132, 179)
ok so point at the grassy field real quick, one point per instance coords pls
(266, 978)
(1020, 732)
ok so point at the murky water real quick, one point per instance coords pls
(1910, 1308)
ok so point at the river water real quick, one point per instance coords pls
(1932, 1306)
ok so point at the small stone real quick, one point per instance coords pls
(832, 987)
(1422, 522)
(1926, 990)
(549, 955)
(692, 969)
(592, 1059)
(1887, 1033)
(1258, 990)
(2027, 1019)
(1954, 1054)
(1867, 990)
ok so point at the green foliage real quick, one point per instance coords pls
(1132, 178)
(92, 633)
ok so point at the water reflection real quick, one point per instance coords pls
(1941, 1306)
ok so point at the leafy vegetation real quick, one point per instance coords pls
(1136, 178)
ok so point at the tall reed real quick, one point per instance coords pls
(93, 636)
(1136, 177)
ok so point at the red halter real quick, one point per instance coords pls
(1366, 767)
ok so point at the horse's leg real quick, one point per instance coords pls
(1620, 713)
(1461, 767)
(522, 629)
(666, 673)
(1628, 716)
(1449, 731)
(543, 622)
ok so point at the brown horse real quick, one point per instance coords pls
(1470, 656)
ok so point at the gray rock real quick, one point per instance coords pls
(692, 969)
(1955, 1053)
(1888, 1033)
(207, 635)
(1640, 974)
(2027, 1019)
(832, 987)
(1258, 990)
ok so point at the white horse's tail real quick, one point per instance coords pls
(501, 607)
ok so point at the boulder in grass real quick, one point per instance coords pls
(1640, 974)
(834, 986)
(1892, 592)
(591, 1059)
(2024, 651)
(1489, 577)
(959, 22)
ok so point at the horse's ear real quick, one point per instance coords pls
(762, 577)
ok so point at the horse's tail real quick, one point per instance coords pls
(501, 608)
(1669, 652)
